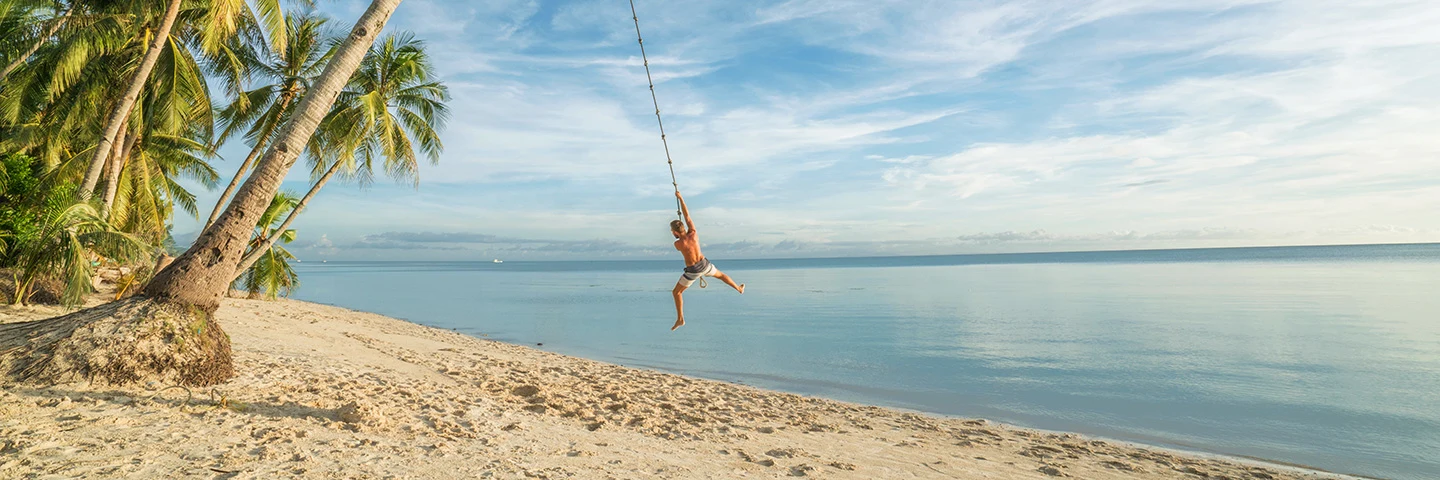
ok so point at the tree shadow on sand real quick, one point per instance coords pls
(193, 400)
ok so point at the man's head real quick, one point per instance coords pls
(677, 227)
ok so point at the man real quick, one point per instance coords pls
(696, 266)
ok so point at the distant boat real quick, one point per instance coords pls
(497, 261)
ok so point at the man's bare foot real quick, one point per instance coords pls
(740, 288)
(678, 323)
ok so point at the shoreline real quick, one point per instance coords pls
(1135, 444)
(388, 391)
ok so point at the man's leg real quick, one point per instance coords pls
(679, 306)
(729, 281)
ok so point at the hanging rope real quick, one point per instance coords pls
(656, 101)
(663, 141)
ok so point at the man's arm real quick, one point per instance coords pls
(686, 211)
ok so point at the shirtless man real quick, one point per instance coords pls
(696, 265)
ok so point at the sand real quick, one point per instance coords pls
(325, 392)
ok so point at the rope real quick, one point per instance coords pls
(641, 40)
(656, 101)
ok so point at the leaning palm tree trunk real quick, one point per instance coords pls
(55, 25)
(117, 165)
(122, 109)
(260, 143)
(259, 251)
(203, 273)
(112, 171)
(169, 335)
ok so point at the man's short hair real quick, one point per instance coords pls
(677, 226)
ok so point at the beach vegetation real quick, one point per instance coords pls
(51, 235)
(272, 276)
(65, 241)
(113, 108)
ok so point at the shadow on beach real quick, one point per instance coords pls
(196, 401)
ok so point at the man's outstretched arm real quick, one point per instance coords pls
(686, 211)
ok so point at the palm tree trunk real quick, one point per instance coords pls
(259, 251)
(122, 110)
(204, 272)
(260, 143)
(117, 165)
(50, 32)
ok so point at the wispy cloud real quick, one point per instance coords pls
(451, 237)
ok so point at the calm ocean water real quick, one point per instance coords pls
(1319, 356)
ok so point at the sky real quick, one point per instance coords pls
(809, 128)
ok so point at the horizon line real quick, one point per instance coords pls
(992, 254)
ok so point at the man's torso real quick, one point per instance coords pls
(689, 246)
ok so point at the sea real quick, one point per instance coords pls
(1325, 356)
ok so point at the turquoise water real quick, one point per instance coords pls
(1319, 356)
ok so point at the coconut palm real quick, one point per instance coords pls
(122, 107)
(285, 75)
(148, 184)
(220, 21)
(272, 275)
(25, 27)
(392, 108)
(166, 137)
(49, 104)
(201, 274)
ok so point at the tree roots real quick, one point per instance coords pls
(128, 341)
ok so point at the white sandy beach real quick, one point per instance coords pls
(325, 392)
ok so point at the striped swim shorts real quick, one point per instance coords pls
(702, 268)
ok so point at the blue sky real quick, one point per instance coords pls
(839, 127)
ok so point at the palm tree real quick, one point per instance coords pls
(221, 19)
(20, 23)
(172, 127)
(272, 275)
(393, 106)
(148, 186)
(262, 109)
(224, 19)
(49, 104)
(132, 93)
(55, 98)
